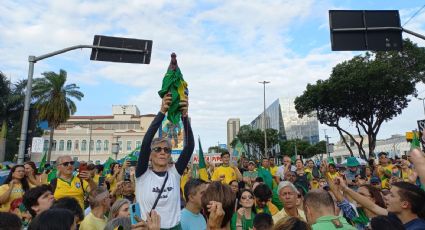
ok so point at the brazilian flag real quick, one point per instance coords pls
(174, 83)
(415, 141)
(203, 175)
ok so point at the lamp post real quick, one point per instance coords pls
(264, 118)
(118, 51)
(116, 147)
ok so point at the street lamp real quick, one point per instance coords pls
(423, 102)
(264, 117)
(116, 147)
(104, 48)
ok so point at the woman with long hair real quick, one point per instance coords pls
(243, 218)
(14, 187)
(34, 178)
(114, 176)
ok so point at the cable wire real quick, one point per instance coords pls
(414, 15)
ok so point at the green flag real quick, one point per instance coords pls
(107, 166)
(415, 141)
(203, 175)
(52, 175)
(174, 83)
(42, 163)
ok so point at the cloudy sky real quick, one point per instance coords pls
(224, 49)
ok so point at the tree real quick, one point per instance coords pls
(253, 139)
(54, 100)
(216, 149)
(368, 90)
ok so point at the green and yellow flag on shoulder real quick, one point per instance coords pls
(174, 83)
(43, 162)
(203, 174)
(415, 141)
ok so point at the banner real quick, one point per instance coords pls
(216, 158)
(175, 133)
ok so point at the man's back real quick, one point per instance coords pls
(192, 221)
(332, 222)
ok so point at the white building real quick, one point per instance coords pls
(91, 137)
(396, 145)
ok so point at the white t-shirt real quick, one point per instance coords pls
(147, 189)
(281, 171)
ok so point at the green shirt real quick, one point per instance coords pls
(332, 222)
(246, 224)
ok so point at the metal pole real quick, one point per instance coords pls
(32, 60)
(264, 118)
(423, 103)
(24, 128)
(90, 139)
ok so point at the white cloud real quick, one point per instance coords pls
(224, 49)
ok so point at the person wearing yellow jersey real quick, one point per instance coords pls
(113, 177)
(34, 178)
(263, 196)
(272, 166)
(332, 172)
(384, 169)
(406, 172)
(226, 173)
(68, 185)
(100, 203)
(14, 187)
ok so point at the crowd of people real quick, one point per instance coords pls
(158, 194)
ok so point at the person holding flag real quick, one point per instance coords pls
(158, 187)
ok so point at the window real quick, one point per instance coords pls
(120, 144)
(106, 145)
(84, 145)
(138, 144)
(46, 145)
(91, 145)
(128, 145)
(68, 145)
(98, 145)
(76, 145)
(54, 145)
(61, 145)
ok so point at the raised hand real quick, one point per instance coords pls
(166, 102)
(184, 106)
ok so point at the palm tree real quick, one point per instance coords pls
(54, 100)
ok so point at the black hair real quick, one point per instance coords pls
(24, 181)
(191, 186)
(99, 168)
(414, 195)
(53, 219)
(31, 196)
(112, 167)
(224, 153)
(263, 192)
(384, 222)
(70, 204)
(259, 179)
(238, 205)
(263, 221)
(10, 221)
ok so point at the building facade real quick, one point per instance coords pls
(396, 145)
(91, 137)
(282, 116)
(233, 125)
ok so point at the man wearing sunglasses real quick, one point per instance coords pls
(68, 185)
(158, 188)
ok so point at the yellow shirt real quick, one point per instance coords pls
(384, 180)
(226, 171)
(91, 222)
(17, 192)
(273, 170)
(71, 189)
(282, 214)
(113, 183)
(332, 176)
(96, 179)
(406, 174)
(272, 208)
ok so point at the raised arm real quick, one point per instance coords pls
(187, 151)
(145, 149)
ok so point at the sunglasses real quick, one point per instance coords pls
(66, 164)
(159, 149)
(247, 197)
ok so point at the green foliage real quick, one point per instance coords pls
(304, 148)
(216, 149)
(54, 100)
(368, 90)
(254, 138)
